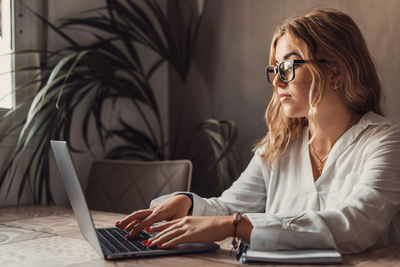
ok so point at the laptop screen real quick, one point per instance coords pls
(75, 193)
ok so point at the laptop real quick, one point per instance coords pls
(109, 242)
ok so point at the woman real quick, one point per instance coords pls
(325, 176)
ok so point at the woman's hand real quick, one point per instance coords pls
(191, 229)
(172, 208)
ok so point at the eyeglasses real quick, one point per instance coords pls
(286, 69)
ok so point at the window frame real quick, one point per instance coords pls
(4, 110)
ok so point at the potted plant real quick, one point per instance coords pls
(108, 69)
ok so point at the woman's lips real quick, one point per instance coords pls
(284, 97)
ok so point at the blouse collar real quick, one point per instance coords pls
(351, 135)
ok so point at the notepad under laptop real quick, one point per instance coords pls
(109, 242)
(305, 256)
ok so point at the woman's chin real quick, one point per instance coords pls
(292, 114)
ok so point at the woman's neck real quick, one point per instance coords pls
(328, 127)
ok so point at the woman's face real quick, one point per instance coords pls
(293, 95)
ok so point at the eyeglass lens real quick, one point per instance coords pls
(285, 70)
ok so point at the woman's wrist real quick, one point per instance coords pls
(226, 225)
(243, 228)
(186, 200)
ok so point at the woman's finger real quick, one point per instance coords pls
(183, 238)
(137, 215)
(172, 225)
(156, 216)
(160, 227)
(146, 222)
(131, 225)
(166, 237)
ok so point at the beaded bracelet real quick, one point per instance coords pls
(236, 220)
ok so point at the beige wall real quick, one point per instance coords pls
(228, 81)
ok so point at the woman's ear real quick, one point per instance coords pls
(335, 78)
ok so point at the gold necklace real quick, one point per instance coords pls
(321, 161)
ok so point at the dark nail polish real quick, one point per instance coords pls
(159, 245)
(147, 228)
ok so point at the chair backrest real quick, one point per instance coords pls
(125, 186)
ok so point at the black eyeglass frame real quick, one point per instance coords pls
(276, 69)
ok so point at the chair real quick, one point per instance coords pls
(125, 186)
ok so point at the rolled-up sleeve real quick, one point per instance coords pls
(353, 225)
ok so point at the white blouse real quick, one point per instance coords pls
(354, 204)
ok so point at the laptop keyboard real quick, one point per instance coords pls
(114, 239)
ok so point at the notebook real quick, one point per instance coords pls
(109, 242)
(304, 256)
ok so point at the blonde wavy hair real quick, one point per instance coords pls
(322, 34)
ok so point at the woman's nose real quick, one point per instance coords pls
(277, 82)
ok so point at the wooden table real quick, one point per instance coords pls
(49, 236)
